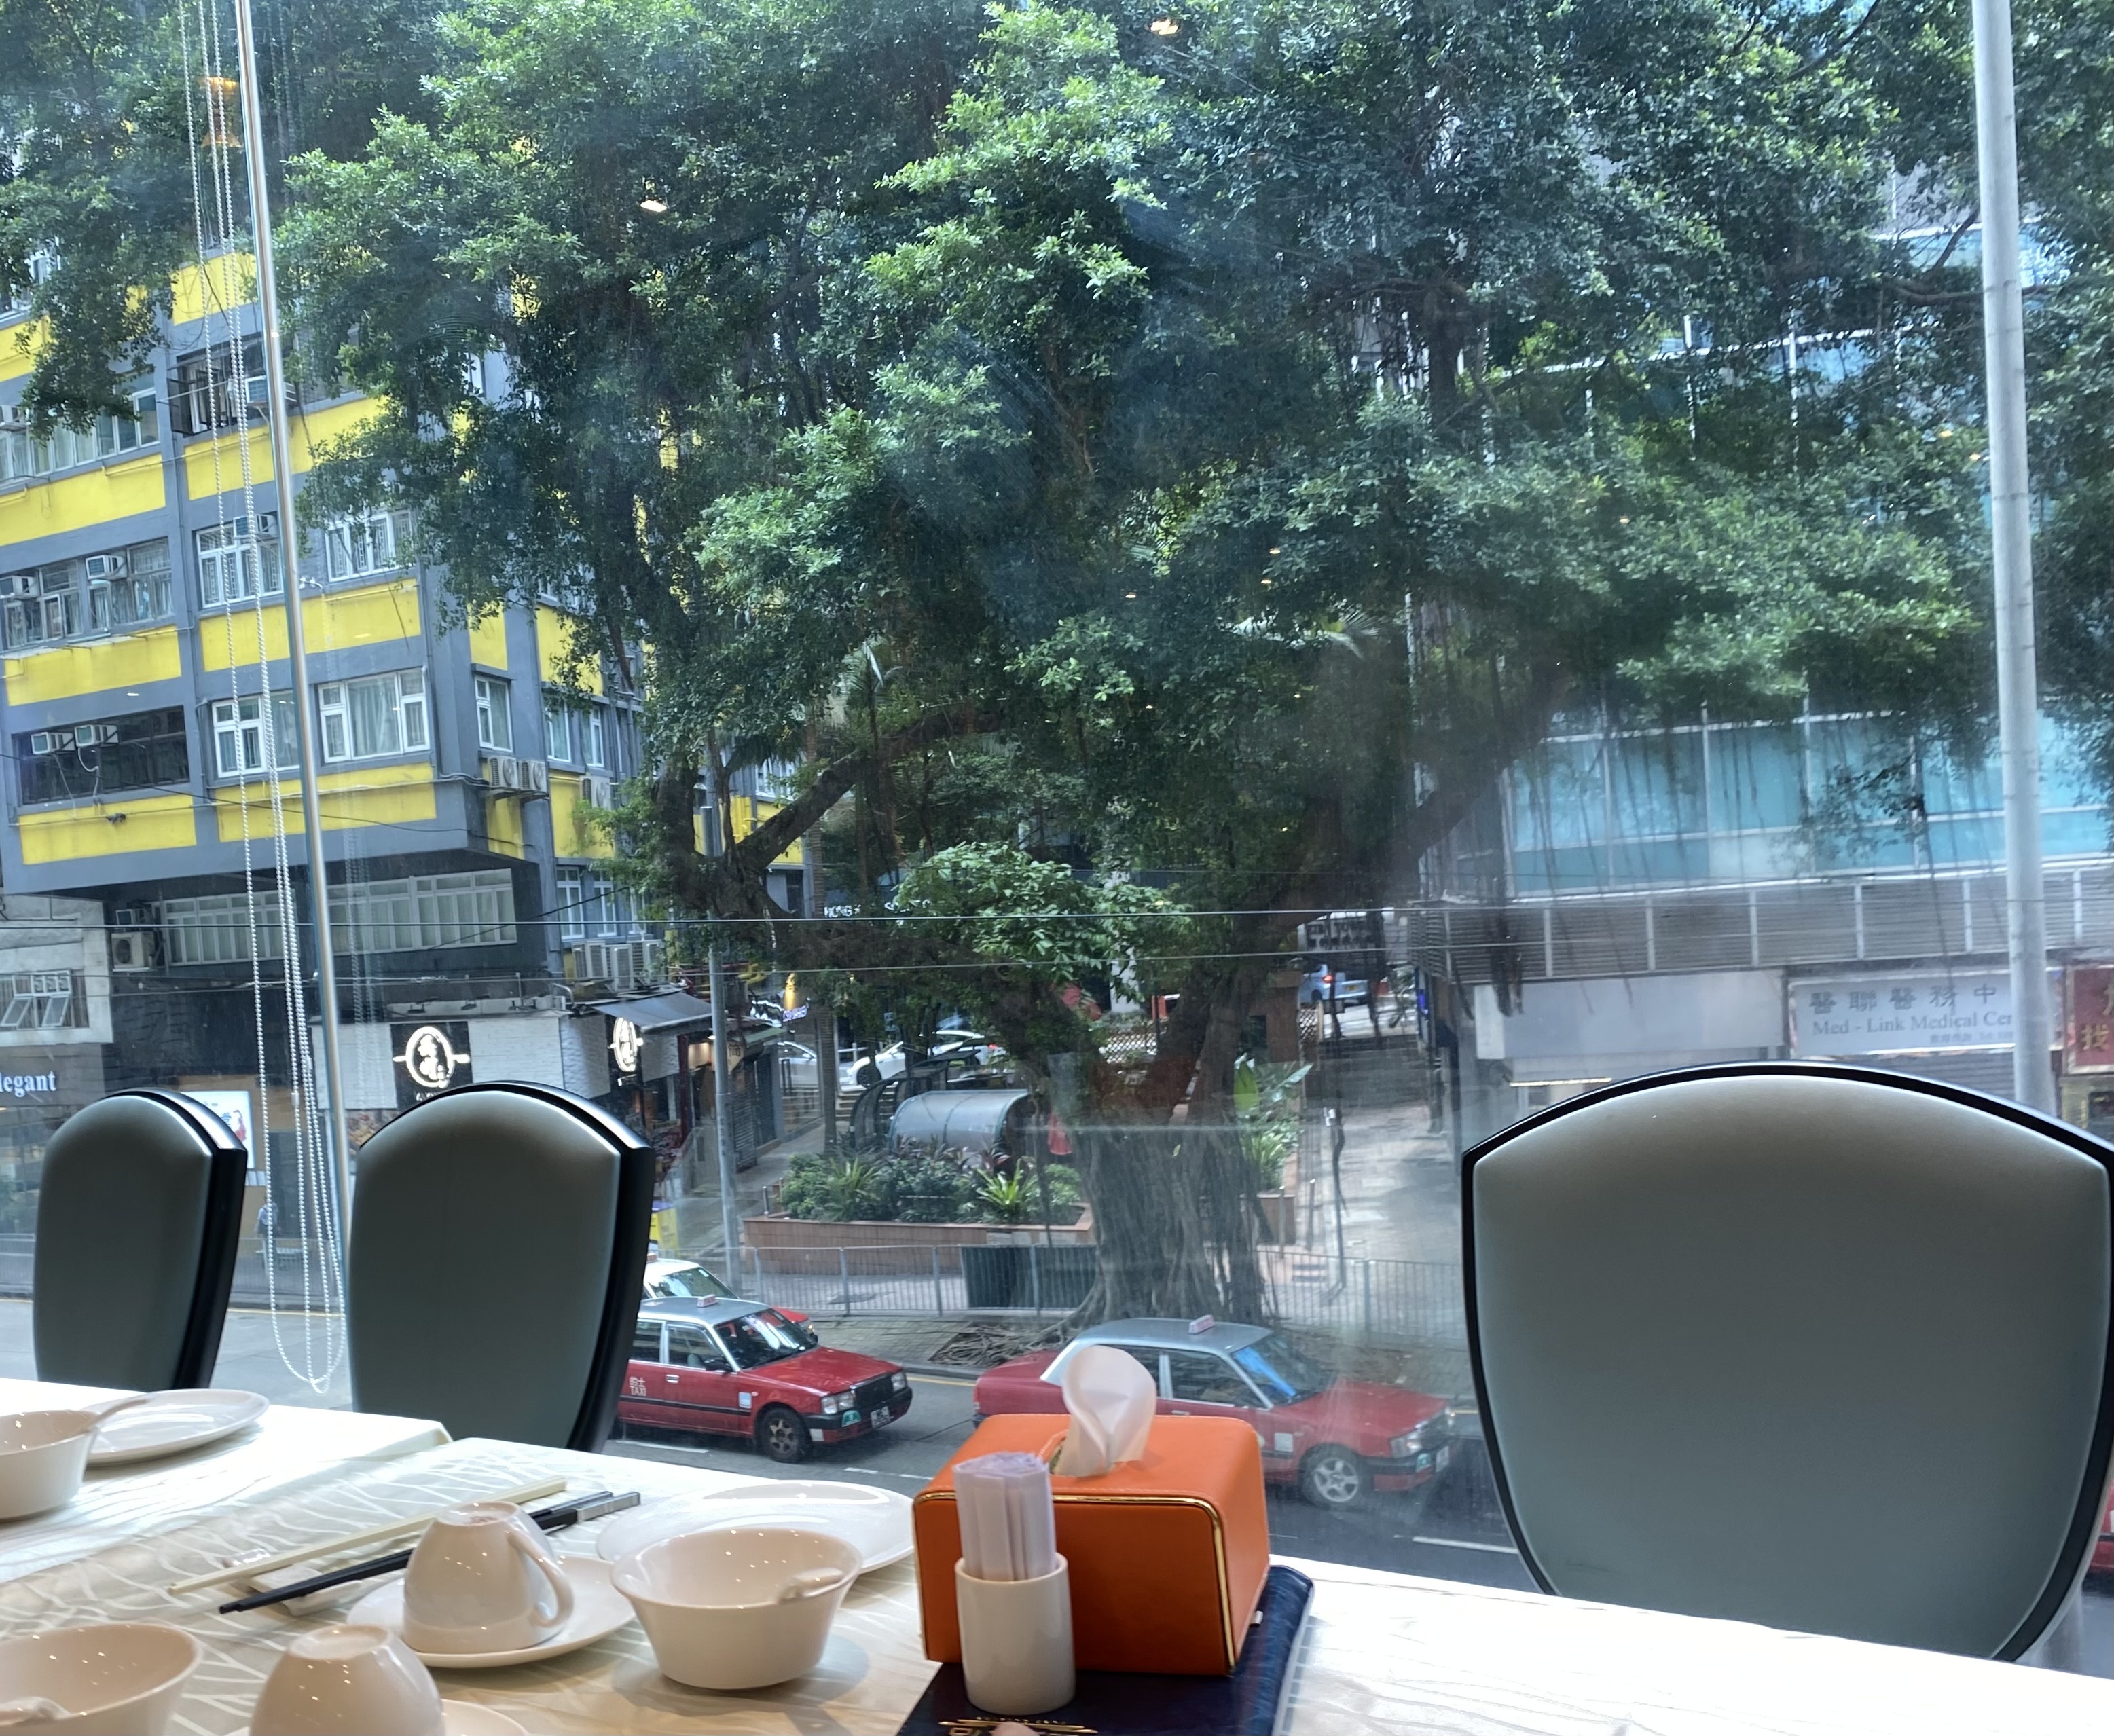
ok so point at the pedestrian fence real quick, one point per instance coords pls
(1403, 1302)
(249, 1290)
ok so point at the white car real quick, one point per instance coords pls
(685, 1279)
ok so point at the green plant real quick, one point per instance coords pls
(1266, 1112)
(1006, 1198)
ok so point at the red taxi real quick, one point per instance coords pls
(719, 1367)
(1336, 1439)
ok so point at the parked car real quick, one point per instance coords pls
(1336, 1439)
(734, 1368)
(667, 1280)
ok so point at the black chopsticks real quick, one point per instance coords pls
(576, 1510)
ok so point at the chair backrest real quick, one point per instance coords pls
(499, 1235)
(137, 1217)
(1821, 1347)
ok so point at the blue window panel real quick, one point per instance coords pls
(1658, 786)
(2075, 832)
(1964, 843)
(2068, 777)
(1756, 778)
(1557, 798)
(1871, 846)
(1575, 869)
(1666, 861)
(1952, 786)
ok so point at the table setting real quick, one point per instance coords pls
(372, 1576)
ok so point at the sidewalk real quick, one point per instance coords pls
(926, 1346)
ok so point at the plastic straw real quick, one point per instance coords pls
(1008, 1521)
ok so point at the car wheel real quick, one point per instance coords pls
(1335, 1477)
(781, 1435)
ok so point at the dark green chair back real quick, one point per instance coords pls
(499, 1238)
(137, 1217)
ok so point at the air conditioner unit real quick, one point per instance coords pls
(127, 918)
(43, 741)
(87, 735)
(651, 958)
(107, 566)
(20, 584)
(132, 949)
(539, 775)
(509, 771)
(589, 963)
(601, 793)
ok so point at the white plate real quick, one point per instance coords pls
(175, 1422)
(599, 1609)
(462, 1717)
(876, 1521)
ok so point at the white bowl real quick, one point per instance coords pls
(743, 1607)
(42, 1455)
(117, 1678)
(348, 1680)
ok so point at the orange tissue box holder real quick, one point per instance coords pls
(1167, 1553)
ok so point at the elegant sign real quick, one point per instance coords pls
(624, 1044)
(2088, 1033)
(1876, 1015)
(429, 1059)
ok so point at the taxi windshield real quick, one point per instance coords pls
(765, 1336)
(1282, 1371)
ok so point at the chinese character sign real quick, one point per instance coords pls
(1875, 1014)
(2088, 1038)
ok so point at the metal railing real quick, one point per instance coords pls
(1403, 1302)
(18, 1260)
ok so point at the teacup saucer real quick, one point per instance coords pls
(599, 1609)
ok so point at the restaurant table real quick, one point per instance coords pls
(288, 1446)
(1382, 1651)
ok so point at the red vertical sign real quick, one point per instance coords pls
(2089, 1040)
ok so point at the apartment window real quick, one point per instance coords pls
(23, 454)
(374, 718)
(239, 730)
(128, 588)
(42, 606)
(140, 750)
(572, 904)
(421, 913)
(361, 544)
(41, 1000)
(594, 750)
(495, 717)
(206, 393)
(235, 565)
(557, 728)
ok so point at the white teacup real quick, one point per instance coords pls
(348, 1681)
(482, 1580)
(745, 1607)
(116, 1679)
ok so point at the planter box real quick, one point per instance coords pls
(1280, 1211)
(788, 1245)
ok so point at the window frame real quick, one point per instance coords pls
(494, 701)
(557, 728)
(337, 718)
(233, 541)
(226, 724)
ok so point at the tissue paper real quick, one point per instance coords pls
(1111, 1399)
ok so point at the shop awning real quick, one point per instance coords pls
(673, 1011)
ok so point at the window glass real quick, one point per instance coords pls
(594, 750)
(495, 719)
(1205, 1379)
(239, 730)
(754, 1340)
(646, 1342)
(137, 750)
(692, 1347)
(572, 903)
(557, 728)
(234, 566)
(374, 717)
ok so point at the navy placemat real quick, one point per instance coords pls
(1117, 1703)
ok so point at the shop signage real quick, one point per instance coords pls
(429, 1059)
(28, 1085)
(233, 1108)
(1876, 1015)
(624, 1045)
(2088, 1024)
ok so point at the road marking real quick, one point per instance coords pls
(1489, 1549)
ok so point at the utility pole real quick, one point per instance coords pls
(2018, 708)
(723, 1116)
(282, 473)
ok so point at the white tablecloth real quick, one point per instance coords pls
(287, 1446)
(1382, 1651)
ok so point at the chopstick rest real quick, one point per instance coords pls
(1013, 1591)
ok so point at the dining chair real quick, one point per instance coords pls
(138, 1213)
(497, 1256)
(1823, 1347)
